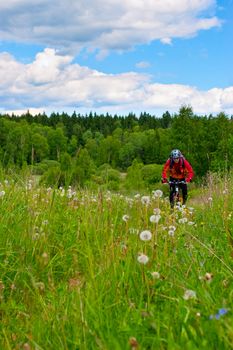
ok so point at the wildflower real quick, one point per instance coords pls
(145, 235)
(133, 343)
(189, 294)
(221, 312)
(171, 233)
(26, 346)
(191, 223)
(182, 220)
(198, 314)
(157, 211)
(157, 193)
(125, 218)
(145, 200)
(155, 275)
(137, 196)
(172, 228)
(2, 193)
(155, 218)
(210, 199)
(208, 276)
(143, 259)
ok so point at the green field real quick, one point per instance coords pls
(78, 272)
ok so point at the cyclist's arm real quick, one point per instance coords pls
(189, 170)
(166, 170)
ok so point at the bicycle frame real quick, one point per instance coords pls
(176, 194)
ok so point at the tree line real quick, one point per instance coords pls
(81, 148)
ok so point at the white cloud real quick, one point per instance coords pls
(54, 83)
(143, 64)
(119, 25)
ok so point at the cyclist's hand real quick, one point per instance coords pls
(164, 181)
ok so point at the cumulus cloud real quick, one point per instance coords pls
(104, 25)
(53, 82)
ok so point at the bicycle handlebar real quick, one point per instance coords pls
(177, 182)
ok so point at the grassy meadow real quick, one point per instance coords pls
(82, 270)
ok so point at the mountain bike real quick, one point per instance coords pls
(177, 197)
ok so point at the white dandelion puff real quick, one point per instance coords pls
(145, 200)
(143, 259)
(172, 227)
(157, 211)
(2, 193)
(171, 233)
(145, 235)
(155, 218)
(157, 193)
(155, 275)
(182, 220)
(189, 294)
(125, 218)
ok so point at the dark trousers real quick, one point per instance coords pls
(184, 190)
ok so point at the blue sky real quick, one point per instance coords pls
(109, 56)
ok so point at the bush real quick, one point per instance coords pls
(151, 173)
(52, 177)
(45, 165)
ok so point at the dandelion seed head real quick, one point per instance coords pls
(2, 193)
(155, 218)
(157, 193)
(157, 211)
(145, 235)
(208, 276)
(145, 200)
(143, 259)
(189, 294)
(155, 275)
(182, 220)
(125, 217)
(171, 233)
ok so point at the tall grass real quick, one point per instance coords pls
(73, 277)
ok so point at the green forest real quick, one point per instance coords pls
(101, 149)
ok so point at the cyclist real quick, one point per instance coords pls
(177, 168)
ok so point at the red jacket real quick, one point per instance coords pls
(181, 170)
